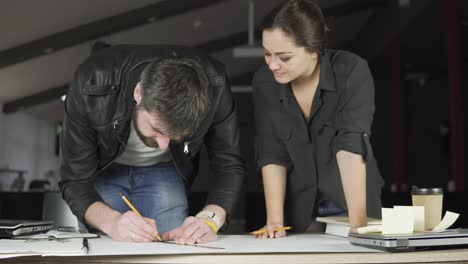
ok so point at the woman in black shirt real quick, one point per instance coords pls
(313, 110)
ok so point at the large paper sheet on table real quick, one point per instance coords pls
(231, 244)
(16, 247)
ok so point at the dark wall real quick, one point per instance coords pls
(425, 131)
(424, 124)
(21, 205)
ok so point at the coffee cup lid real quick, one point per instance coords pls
(426, 191)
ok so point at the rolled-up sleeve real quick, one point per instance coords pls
(269, 148)
(356, 112)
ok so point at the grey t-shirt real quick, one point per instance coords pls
(138, 154)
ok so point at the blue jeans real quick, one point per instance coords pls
(156, 191)
(328, 208)
(324, 208)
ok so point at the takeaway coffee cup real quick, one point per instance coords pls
(431, 199)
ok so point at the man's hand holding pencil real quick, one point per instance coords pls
(130, 227)
(133, 227)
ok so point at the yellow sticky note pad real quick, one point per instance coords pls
(418, 212)
(399, 220)
(448, 220)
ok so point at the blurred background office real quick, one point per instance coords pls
(416, 50)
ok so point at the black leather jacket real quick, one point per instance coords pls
(98, 112)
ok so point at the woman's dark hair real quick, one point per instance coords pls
(177, 90)
(301, 19)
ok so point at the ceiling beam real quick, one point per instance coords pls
(35, 99)
(107, 26)
(134, 18)
(55, 93)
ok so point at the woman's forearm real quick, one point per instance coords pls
(274, 184)
(353, 177)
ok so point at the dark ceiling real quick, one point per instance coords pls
(370, 28)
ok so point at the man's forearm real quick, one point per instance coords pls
(100, 216)
(353, 177)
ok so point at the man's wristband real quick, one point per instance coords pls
(212, 216)
(211, 224)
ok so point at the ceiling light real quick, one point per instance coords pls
(197, 23)
(404, 3)
(420, 77)
(48, 50)
(250, 50)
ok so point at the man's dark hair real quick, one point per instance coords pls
(176, 89)
(302, 20)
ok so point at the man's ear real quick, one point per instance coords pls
(137, 93)
(315, 55)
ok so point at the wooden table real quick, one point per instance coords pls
(299, 248)
(432, 256)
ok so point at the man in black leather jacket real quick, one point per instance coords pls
(135, 120)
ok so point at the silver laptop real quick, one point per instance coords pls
(396, 243)
(11, 228)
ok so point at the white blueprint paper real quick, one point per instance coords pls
(303, 243)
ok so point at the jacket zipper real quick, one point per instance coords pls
(186, 151)
(116, 125)
(114, 129)
(186, 143)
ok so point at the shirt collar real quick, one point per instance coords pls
(327, 78)
(327, 75)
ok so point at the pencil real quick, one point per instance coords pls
(262, 231)
(194, 245)
(158, 238)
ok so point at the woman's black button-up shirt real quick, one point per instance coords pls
(340, 119)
